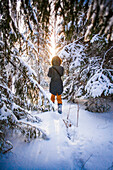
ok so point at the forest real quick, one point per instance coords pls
(80, 32)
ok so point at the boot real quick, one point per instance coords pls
(60, 108)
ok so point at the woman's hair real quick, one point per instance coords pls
(56, 61)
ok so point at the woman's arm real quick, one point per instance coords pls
(49, 73)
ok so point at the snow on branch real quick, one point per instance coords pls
(85, 75)
(29, 43)
(98, 84)
(5, 145)
(105, 56)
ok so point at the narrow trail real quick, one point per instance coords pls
(90, 147)
(58, 154)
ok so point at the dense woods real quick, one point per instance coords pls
(83, 32)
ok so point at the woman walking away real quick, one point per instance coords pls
(56, 84)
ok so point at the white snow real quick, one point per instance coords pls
(95, 38)
(99, 84)
(73, 56)
(90, 146)
(29, 69)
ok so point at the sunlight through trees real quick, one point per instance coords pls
(31, 33)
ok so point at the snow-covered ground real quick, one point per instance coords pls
(90, 146)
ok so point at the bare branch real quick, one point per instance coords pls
(86, 161)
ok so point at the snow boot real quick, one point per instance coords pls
(60, 108)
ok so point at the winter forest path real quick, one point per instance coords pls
(90, 145)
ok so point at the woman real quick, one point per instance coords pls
(56, 84)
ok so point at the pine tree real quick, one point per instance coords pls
(86, 69)
(99, 19)
(19, 88)
(84, 21)
(73, 14)
(84, 18)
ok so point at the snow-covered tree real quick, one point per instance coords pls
(73, 17)
(86, 26)
(100, 19)
(86, 70)
(85, 18)
(19, 85)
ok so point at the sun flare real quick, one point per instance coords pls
(52, 48)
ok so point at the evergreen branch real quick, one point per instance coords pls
(4, 144)
(44, 136)
(9, 148)
(101, 66)
(31, 44)
(105, 56)
(79, 39)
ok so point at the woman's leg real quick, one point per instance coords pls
(53, 98)
(59, 101)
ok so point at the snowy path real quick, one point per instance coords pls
(90, 147)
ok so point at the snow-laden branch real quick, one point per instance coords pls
(5, 145)
(29, 43)
(105, 56)
(73, 43)
(100, 71)
(34, 92)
